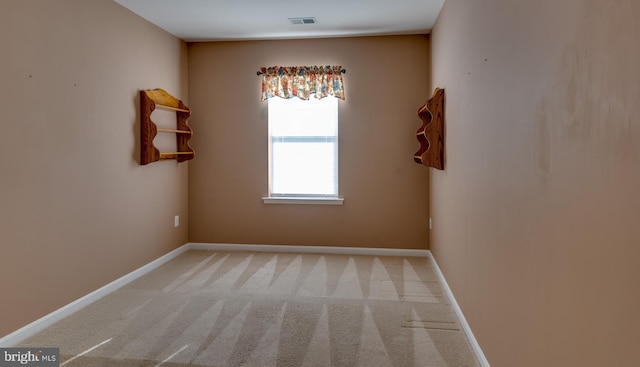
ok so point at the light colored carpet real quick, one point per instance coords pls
(265, 309)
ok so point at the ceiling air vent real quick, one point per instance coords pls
(307, 20)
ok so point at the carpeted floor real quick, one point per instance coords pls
(265, 309)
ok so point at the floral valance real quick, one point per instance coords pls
(302, 82)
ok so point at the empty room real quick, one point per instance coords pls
(292, 183)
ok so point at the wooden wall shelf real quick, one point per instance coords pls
(431, 133)
(158, 98)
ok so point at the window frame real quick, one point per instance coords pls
(301, 198)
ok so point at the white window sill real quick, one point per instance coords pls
(303, 200)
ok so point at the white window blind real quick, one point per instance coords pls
(303, 144)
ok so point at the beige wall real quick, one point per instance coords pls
(77, 210)
(385, 192)
(536, 216)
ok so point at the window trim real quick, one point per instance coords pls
(317, 199)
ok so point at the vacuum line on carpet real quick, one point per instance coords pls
(171, 356)
(86, 351)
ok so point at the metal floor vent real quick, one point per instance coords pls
(307, 20)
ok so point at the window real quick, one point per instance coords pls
(303, 149)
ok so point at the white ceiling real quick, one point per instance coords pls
(217, 20)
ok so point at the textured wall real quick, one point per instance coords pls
(77, 210)
(385, 192)
(536, 216)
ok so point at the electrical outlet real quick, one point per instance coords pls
(430, 224)
(176, 221)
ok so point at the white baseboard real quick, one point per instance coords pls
(33, 328)
(458, 311)
(309, 249)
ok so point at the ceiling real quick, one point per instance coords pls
(223, 20)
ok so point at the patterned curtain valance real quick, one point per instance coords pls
(302, 81)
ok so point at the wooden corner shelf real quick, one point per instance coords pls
(431, 133)
(158, 98)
